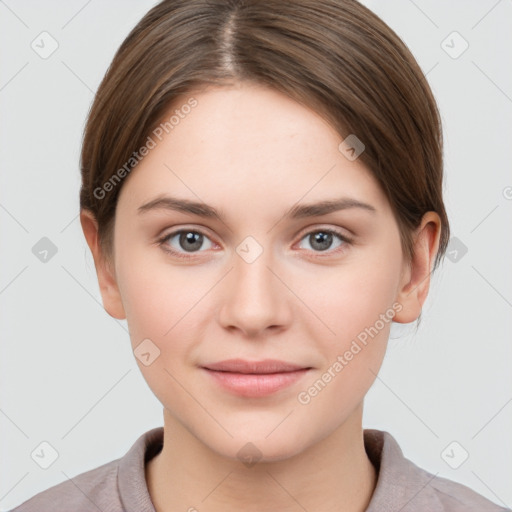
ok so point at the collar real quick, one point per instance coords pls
(400, 483)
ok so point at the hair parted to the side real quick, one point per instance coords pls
(333, 56)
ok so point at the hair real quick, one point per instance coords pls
(333, 56)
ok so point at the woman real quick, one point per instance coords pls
(296, 147)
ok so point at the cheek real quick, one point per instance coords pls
(159, 304)
(158, 297)
(357, 303)
(165, 304)
(350, 298)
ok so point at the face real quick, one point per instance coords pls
(261, 278)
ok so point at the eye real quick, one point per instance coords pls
(184, 241)
(321, 240)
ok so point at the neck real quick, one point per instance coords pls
(334, 474)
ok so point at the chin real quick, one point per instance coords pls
(256, 445)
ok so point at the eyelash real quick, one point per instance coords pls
(162, 242)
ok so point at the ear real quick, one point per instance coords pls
(415, 277)
(104, 269)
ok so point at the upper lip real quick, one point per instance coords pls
(264, 366)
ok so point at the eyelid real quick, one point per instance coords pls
(178, 229)
(330, 229)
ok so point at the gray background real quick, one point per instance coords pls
(67, 374)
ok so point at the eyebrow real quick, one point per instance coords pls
(296, 212)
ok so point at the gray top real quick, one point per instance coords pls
(120, 485)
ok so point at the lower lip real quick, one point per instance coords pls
(256, 385)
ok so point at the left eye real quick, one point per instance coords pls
(322, 240)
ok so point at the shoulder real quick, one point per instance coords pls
(402, 485)
(92, 490)
(116, 486)
(456, 497)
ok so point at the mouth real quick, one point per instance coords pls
(255, 378)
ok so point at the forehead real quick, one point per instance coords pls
(250, 144)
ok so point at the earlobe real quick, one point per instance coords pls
(106, 278)
(415, 280)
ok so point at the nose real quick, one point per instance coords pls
(253, 298)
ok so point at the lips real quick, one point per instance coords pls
(254, 378)
(256, 367)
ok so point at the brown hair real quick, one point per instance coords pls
(334, 56)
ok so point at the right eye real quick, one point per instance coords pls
(181, 241)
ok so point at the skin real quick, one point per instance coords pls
(253, 153)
